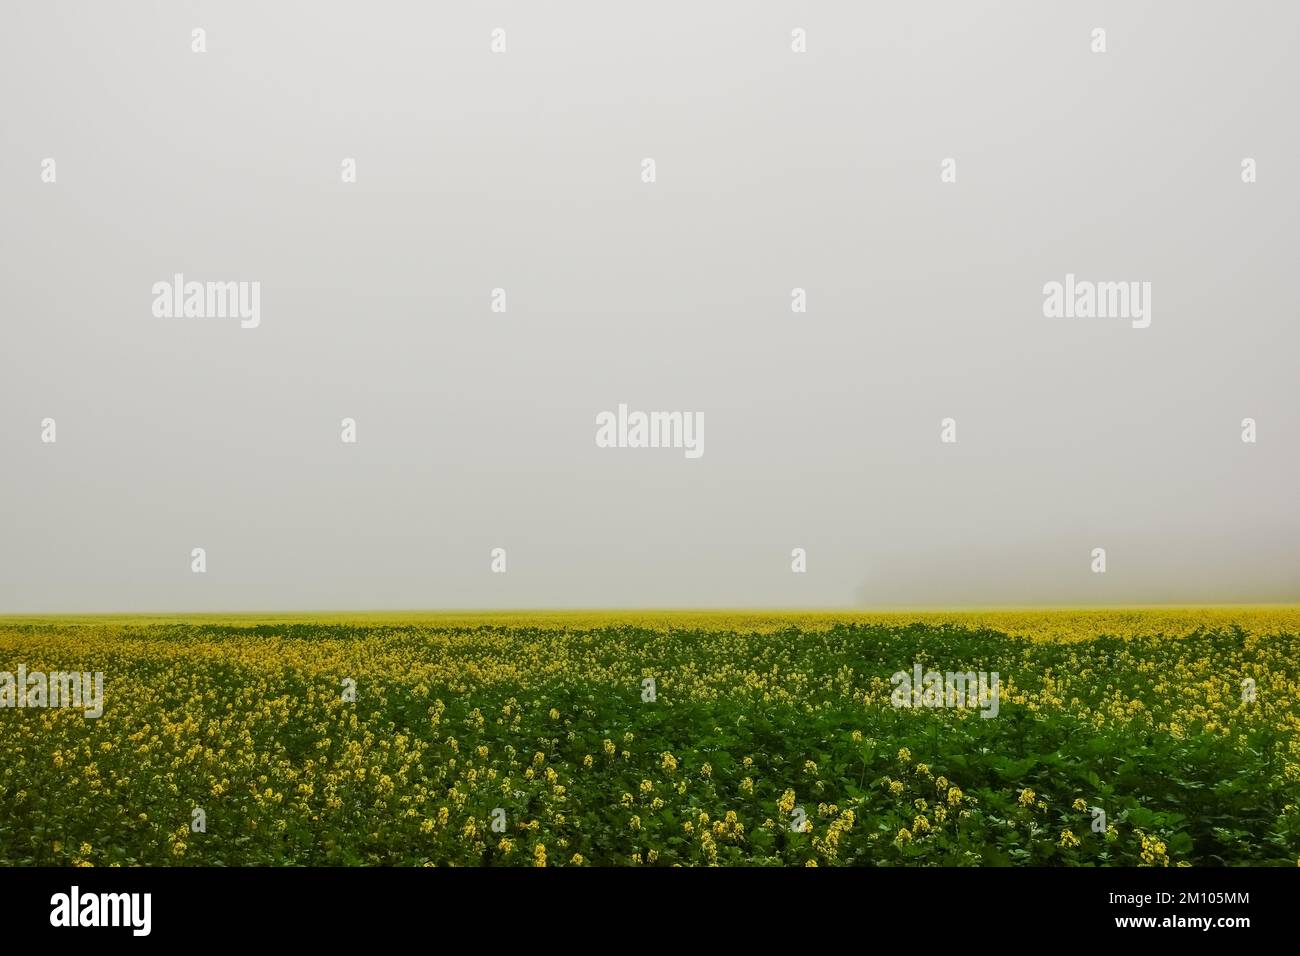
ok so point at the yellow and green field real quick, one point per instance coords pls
(1161, 737)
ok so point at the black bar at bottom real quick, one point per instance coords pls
(335, 905)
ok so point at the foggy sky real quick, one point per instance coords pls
(522, 170)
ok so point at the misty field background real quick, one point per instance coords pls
(527, 739)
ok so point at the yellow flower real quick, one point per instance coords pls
(1153, 851)
(1027, 797)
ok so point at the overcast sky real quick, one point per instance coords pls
(522, 170)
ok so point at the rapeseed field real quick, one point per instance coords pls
(1162, 737)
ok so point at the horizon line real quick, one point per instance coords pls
(704, 609)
